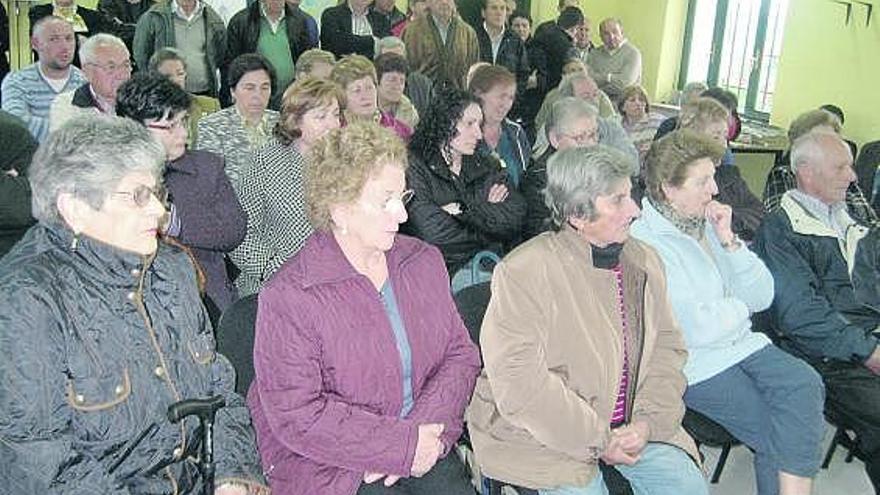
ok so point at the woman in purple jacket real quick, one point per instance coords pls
(205, 214)
(363, 366)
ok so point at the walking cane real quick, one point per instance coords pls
(205, 410)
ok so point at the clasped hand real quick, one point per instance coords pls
(428, 450)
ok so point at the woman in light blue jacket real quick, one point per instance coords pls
(768, 399)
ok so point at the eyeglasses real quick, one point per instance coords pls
(112, 67)
(182, 123)
(142, 194)
(394, 202)
(584, 137)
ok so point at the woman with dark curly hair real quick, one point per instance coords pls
(463, 203)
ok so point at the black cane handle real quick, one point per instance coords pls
(203, 408)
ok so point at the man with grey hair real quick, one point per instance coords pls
(106, 65)
(28, 93)
(580, 85)
(810, 244)
(617, 63)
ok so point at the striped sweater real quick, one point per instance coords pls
(28, 96)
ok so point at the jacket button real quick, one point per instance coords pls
(120, 390)
(135, 272)
(159, 371)
(131, 296)
(177, 453)
(79, 399)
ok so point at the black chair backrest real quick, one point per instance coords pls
(866, 168)
(235, 339)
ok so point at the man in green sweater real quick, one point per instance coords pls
(617, 63)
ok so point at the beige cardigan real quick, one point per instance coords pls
(540, 413)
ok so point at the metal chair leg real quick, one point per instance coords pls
(719, 466)
(835, 440)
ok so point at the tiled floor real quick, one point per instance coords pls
(840, 478)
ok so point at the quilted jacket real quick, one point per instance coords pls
(97, 344)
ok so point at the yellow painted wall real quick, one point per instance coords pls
(656, 27)
(825, 61)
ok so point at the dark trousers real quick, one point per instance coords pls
(447, 477)
(852, 391)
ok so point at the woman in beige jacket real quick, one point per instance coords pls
(583, 358)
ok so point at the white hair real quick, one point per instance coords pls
(810, 149)
(95, 41)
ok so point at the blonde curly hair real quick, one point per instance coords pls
(342, 162)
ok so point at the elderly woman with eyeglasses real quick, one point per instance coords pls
(582, 355)
(765, 397)
(205, 214)
(272, 190)
(363, 366)
(103, 330)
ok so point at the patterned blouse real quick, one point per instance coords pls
(273, 195)
(224, 133)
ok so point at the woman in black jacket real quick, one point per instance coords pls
(462, 203)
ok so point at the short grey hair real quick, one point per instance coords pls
(390, 43)
(95, 41)
(691, 90)
(562, 113)
(163, 55)
(566, 87)
(88, 156)
(810, 148)
(577, 176)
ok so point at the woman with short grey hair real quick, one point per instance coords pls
(571, 122)
(576, 178)
(618, 399)
(104, 329)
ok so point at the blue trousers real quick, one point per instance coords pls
(662, 470)
(772, 402)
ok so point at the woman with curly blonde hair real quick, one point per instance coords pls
(363, 366)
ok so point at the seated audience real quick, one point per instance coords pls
(617, 63)
(838, 112)
(28, 93)
(464, 202)
(85, 22)
(554, 42)
(106, 66)
(709, 118)
(781, 177)
(501, 46)
(356, 75)
(441, 45)
(351, 27)
(571, 122)
(822, 312)
(363, 365)
(391, 72)
(103, 330)
(570, 380)
(521, 25)
(170, 63)
(583, 43)
(205, 215)
(16, 148)
(504, 139)
(194, 28)
(236, 132)
(256, 30)
(576, 82)
(314, 63)
(419, 87)
(691, 91)
(734, 125)
(271, 189)
(637, 119)
(121, 17)
(735, 376)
